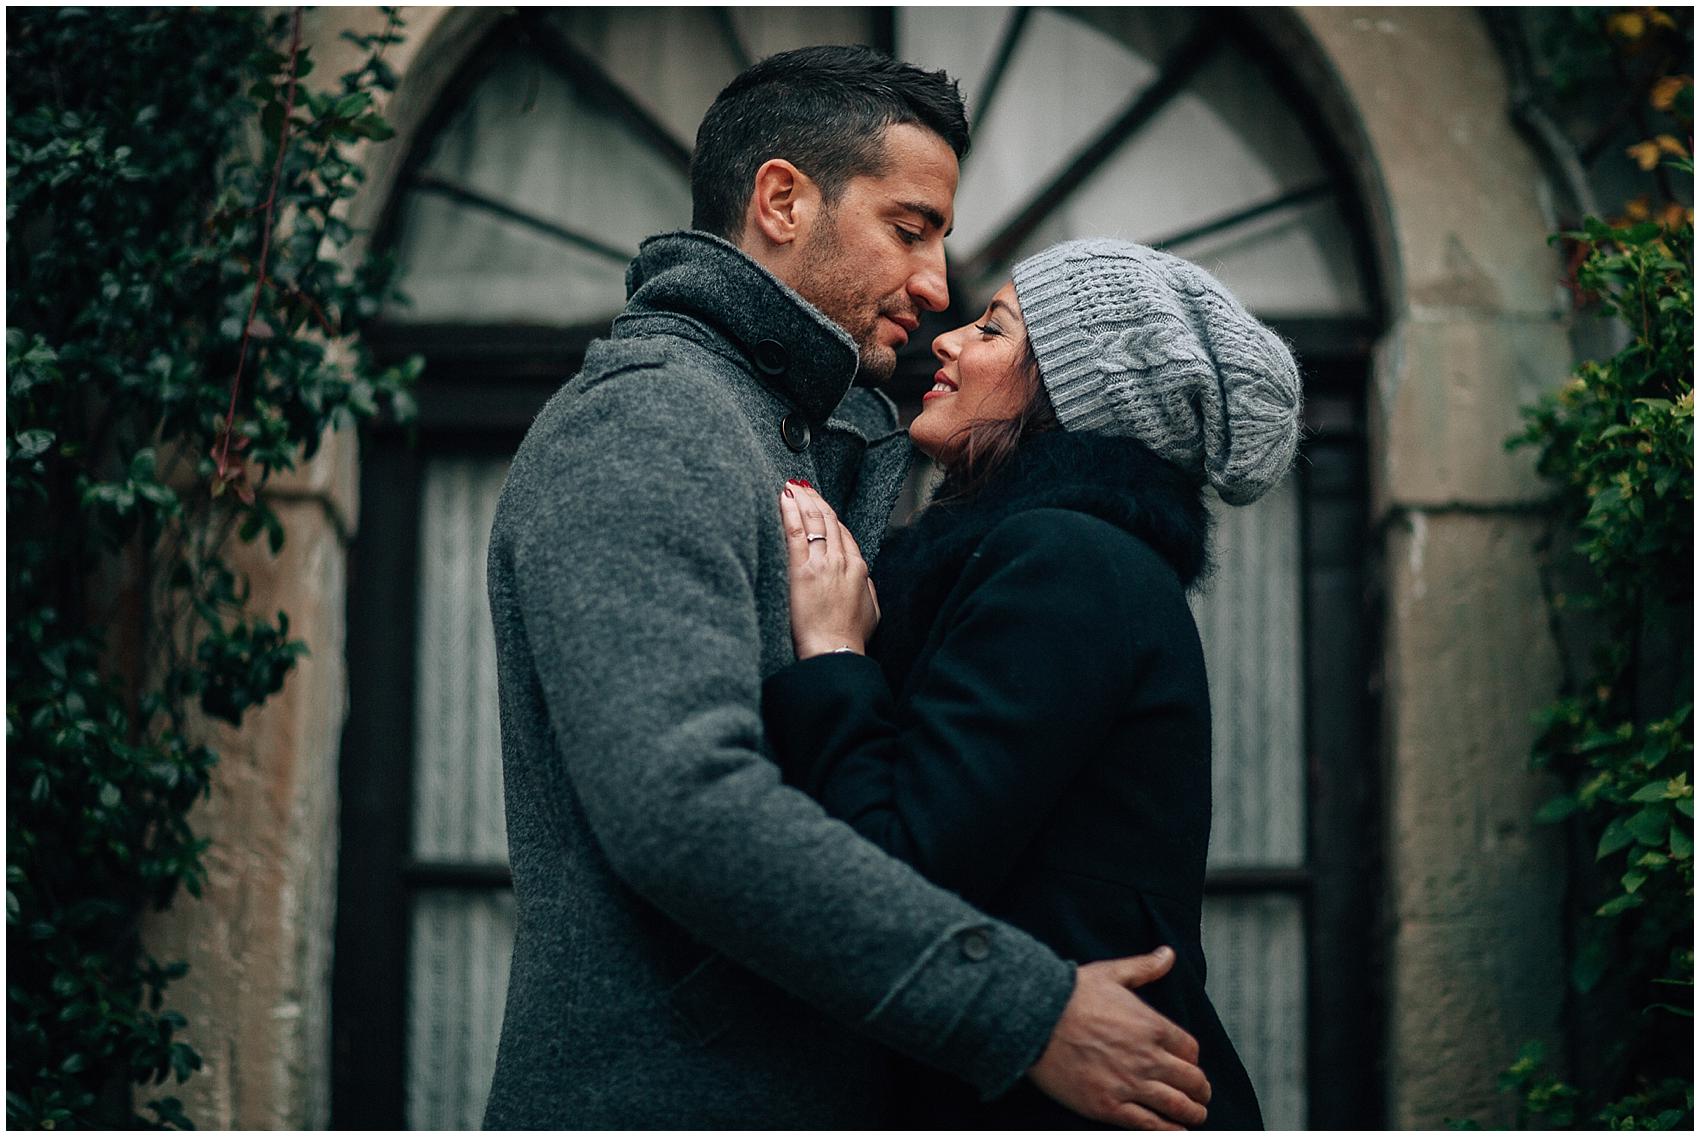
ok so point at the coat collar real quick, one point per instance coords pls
(1115, 479)
(773, 332)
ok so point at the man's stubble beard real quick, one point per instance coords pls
(827, 279)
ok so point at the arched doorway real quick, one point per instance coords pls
(563, 140)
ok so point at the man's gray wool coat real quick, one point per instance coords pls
(698, 945)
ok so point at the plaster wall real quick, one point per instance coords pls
(1477, 328)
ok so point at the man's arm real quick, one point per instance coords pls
(635, 577)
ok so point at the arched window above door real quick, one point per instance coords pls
(569, 137)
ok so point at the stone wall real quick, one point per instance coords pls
(258, 942)
(1477, 328)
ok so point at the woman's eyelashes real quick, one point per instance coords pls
(989, 328)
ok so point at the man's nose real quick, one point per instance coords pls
(929, 287)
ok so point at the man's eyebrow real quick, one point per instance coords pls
(927, 213)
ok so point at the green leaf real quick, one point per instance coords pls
(350, 105)
(1681, 844)
(1601, 739)
(1685, 1012)
(1633, 880)
(1619, 905)
(1652, 791)
(373, 127)
(1617, 836)
(32, 443)
(1685, 806)
(1557, 809)
(109, 796)
(1649, 825)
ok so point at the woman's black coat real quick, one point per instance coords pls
(1046, 753)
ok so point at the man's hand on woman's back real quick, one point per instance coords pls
(1114, 1059)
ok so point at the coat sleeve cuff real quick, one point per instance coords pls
(1007, 992)
(807, 707)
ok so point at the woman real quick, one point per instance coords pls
(1035, 733)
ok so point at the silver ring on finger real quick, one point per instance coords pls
(816, 536)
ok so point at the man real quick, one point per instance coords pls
(699, 946)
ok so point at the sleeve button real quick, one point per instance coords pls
(771, 358)
(976, 946)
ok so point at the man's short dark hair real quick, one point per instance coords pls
(824, 110)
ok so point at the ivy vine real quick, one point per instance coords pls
(180, 328)
(1619, 439)
(1618, 443)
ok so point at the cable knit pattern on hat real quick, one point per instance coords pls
(1139, 343)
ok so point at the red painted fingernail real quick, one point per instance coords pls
(804, 482)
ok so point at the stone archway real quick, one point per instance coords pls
(1477, 327)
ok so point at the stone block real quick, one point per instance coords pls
(331, 477)
(257, 995)
(1460, 1010)
(1469, 228)
(1476, 957)
(1447, 394)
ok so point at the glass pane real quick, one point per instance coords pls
(961, 41)
(1296, 261)
(641, 49)
(464, 265)
(1227, 142)
(766, 31)
(457, 802)
(1065, 83)
(1249, 620)
(1256, 949)
(527, 140)
(457, 984)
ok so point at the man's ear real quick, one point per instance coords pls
(784, 203)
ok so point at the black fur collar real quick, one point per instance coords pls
(1116, 479)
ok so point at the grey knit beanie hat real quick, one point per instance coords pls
(1138, 343)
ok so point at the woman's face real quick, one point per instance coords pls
(979, 378)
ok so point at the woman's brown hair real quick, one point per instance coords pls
(986, 445)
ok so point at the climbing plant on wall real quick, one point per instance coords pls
(180, 327)
(1619, 438)
(1618, 443)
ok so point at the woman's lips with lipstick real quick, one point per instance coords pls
(941, 386)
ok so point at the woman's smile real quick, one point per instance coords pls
(942, 385)
(979, 373)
